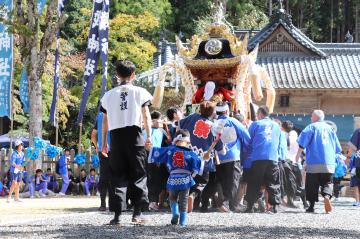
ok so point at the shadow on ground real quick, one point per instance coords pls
(132, 231)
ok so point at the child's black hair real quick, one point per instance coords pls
(170, 112)
(155, 115)
(38, 171)
(125, 69)
(92, 170)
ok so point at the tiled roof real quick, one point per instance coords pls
(336, 71)
(284, 19)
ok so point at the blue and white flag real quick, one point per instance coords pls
(40, 5)
(97, 47)
(6, 60)
(61, 4)
(24, 90)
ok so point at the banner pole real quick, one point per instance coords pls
(12, 92)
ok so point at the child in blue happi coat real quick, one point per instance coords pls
(340, 172)
(52, 183)
(91, 183)
(182, 165)
(38, 182)
(16, 170)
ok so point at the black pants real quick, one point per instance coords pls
(154, 181)
(314, 181)
(300, 189)
(264, 173)
(337, 186)
(289, 180)
(282, 179)
(105, 176)
(228, 174)
(127, 164)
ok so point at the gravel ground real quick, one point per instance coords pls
(78, 218)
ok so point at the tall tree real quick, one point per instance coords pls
(34, 45)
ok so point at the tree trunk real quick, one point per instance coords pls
(36, 107)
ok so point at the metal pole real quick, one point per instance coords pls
(11, 98)
(80, 135)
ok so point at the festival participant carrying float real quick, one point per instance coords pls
(217, 66)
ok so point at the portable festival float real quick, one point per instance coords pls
(217, 66)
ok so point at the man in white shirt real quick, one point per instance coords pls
(125, 108)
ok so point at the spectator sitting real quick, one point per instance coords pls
(72, 188)
(91, 183)
(52, 184)
(81, 182)
(38, 183)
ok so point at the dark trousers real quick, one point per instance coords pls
(300, 189)
(127, 164)
(264, 173)
(289, 180)
(314, 181)
(282, 178)
(337, 186)
(154, 181)
(105, 176)
(204, 187)
(228, 174)
(180, 197)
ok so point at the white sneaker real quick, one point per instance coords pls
(60, 194)
(88, 195)
(42, 195)
(17, 200)
(8, 200)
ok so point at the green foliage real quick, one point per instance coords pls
(245, 15)
(77, 23)
(161, 9)
(186, 15)
(126, 39)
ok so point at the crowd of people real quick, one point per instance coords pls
(49, 183)
(213, 159)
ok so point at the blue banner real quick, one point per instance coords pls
(40, 5)
(61, 4)
(6, 60)
(24, 90)
(97, 47)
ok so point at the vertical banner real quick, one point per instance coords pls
(61, 4)
(24, 90)
(97, 47)
(6, 60)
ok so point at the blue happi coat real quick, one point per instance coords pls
(283, 148)
(99, 132)
(201, 137)
(321, 145)
(265, 140)
(182, 164)
(17, 158)
(235, 137)
(355, 145)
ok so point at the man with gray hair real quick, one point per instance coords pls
(321, 144)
